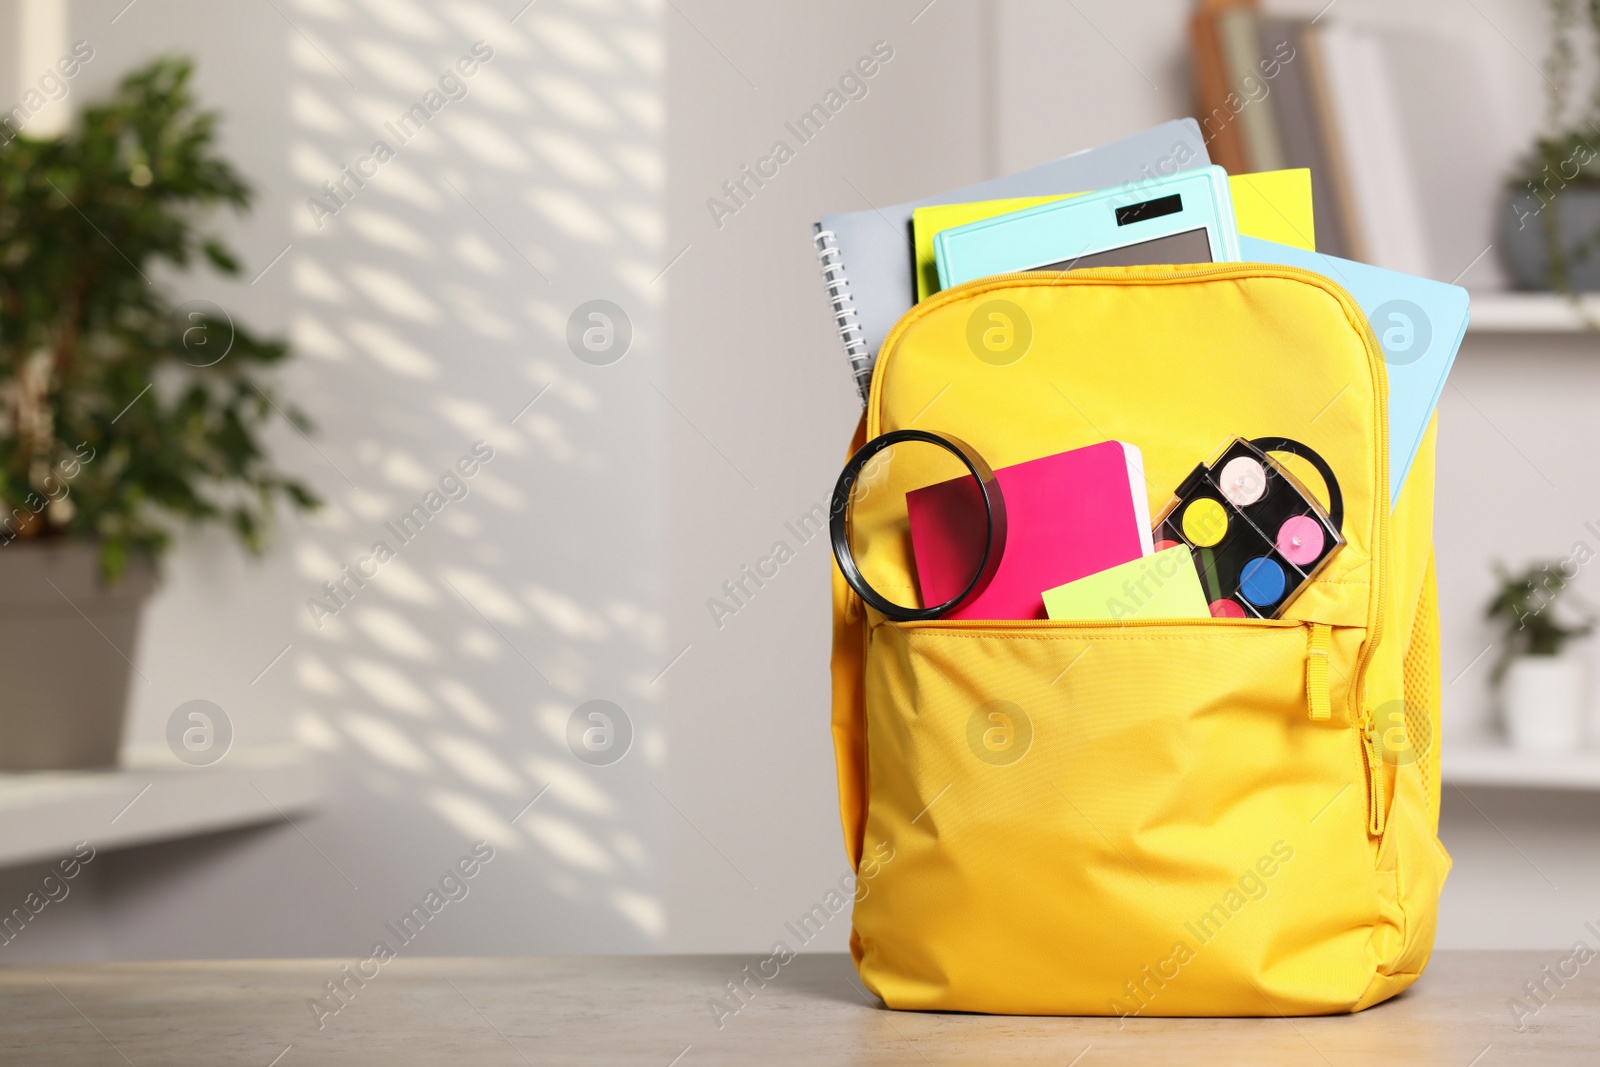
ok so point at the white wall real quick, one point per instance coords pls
(426, 315)
(765, 382)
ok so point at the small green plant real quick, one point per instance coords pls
(1567, 154)
(121, 414)
(1525, 605)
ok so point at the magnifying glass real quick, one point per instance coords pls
(918, 524)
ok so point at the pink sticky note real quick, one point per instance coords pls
(1069, 515)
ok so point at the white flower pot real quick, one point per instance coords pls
(65, 645)
(1542, 698)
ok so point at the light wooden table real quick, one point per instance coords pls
(654, 1011)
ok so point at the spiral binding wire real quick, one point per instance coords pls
(845, 316)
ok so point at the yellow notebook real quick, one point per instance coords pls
(1274, 205)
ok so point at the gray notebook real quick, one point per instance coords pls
(867, 256)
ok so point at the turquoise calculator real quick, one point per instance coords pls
(1182, 218)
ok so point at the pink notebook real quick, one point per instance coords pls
(1068, 516)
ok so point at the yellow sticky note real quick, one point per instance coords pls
(1163, 586)
(1273, 205)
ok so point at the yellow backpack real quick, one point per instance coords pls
(1195, 817)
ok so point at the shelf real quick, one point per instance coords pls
(1530, 313)
(44, 813)
(1509, 768)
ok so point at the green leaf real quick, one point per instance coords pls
(220, 256)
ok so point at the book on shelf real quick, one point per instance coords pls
(1247, 68)
(1277, 92)
(1368, 132)
(1295, 111)
(1223, 139)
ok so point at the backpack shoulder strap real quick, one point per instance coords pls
(849, 699)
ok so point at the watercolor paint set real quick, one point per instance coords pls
(1257, 534)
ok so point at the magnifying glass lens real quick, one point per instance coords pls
(917, 525)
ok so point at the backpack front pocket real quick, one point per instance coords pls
(1110, 819)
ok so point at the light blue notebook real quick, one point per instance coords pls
(1418, 321)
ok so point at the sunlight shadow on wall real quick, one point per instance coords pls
(433, 286)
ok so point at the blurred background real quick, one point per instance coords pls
(571, 398)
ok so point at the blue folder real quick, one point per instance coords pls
(1418, 321)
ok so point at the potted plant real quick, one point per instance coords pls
(121, 414)
(1542, 691)
(1550, 236)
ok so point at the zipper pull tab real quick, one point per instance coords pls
(1372, 745)
(1319, 700)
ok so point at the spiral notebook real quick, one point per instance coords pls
(867, 256)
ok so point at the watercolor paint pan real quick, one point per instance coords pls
(1258, 536)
